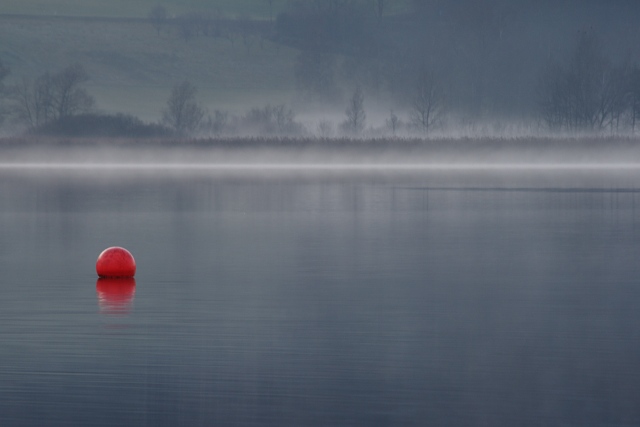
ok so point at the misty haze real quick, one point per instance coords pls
(342, 212)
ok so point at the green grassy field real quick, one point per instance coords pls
(132, 69)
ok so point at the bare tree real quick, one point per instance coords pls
(219, 122)
(589, 94)
(587, 82)
(158, 18)
(554, 96)
(615, 97)
(325, 128)
(355, 113)
(32, 101)
(393, 122)
(183, 113)
(284, 118)
(51, 97)
(634, 97)
(68, 98)
(4, 72)
(427, 103)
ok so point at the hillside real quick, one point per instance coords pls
(132, 68)
(489, 61)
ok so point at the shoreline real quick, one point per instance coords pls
(316, 153)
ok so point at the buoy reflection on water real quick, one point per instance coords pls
(115, 295)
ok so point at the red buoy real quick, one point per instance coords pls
(116, 262)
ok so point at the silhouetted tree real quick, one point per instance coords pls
(4, 72)
(183, 113)
(325, 129)
(158, 18)
(32, 101)
(218, 123)
(284, 118)
(616, 96)
(587, 80)
(393, 122)
(68, 97)
(427, 104)
(554, 97)
(51, 97)
(634, 96)
(355, 113)
(589, 94)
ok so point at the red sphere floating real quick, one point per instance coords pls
(116, 262)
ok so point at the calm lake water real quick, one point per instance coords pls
(324, 298)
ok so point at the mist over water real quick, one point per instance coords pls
(317, 154)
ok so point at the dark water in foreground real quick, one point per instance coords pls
(321, 299)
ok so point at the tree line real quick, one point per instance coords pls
(51, 96)
(473, 58)
(443, 59)
(59, 103)
(589, 92)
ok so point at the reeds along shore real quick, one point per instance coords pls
(580, 150)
